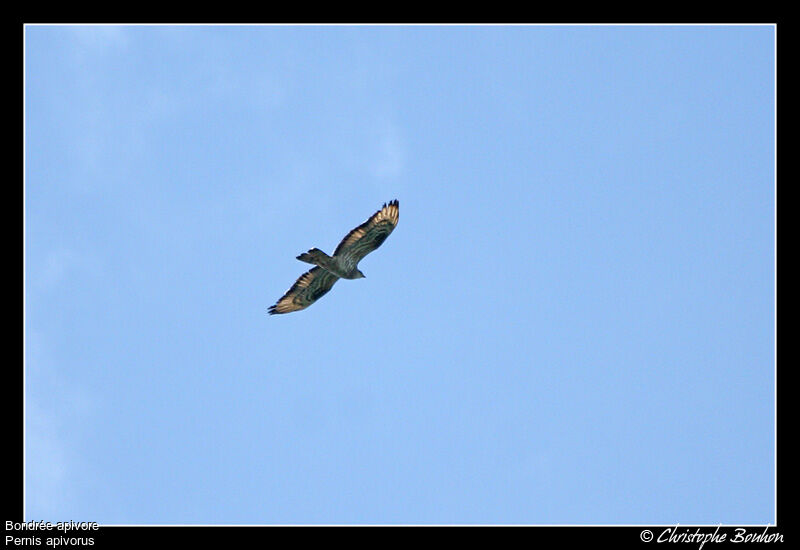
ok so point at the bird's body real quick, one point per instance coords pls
(334, 264)
(362, 240)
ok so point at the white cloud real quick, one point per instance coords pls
(390, 154)
(45, 464)
(52, 405)
(59, 264)
(94, 39)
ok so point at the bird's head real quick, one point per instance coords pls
(360, 275)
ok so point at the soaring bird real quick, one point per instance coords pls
(314, 284)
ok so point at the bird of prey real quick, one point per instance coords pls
(314, 284)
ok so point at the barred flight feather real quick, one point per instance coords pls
(359, 242)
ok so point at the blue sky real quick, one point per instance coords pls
(572, 322)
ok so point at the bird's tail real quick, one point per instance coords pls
(315, 256)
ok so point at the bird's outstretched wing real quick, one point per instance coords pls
(369, 235)
(309, 287)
